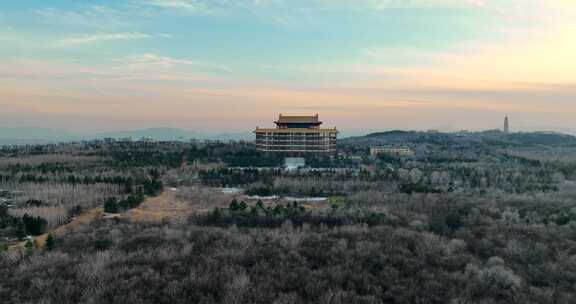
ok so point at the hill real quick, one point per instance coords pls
(492, 137)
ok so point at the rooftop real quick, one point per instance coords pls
(282, 119)
(295, 130)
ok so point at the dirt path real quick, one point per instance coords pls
(81, 220)
(165, 207)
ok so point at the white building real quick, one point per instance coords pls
(294, 163)
(391, 151)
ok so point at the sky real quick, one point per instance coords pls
(232, 65)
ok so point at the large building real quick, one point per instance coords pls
(298, 136)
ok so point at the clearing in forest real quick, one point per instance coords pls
(164, 207)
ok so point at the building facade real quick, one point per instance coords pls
(297, 135)
(391, 151)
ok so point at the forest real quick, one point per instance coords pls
(483, 220)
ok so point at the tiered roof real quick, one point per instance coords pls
(295, 130)
(282, 119)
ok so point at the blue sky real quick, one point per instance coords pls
(218, 64)
(245, 33)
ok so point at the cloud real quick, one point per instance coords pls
(113, 74)
(305, 5)
(523, 65)
(191, 5)
(91, 17)
(102, 37)
(387, 4)
(154, 61)
(163, 88)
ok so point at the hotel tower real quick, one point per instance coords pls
(297, 136)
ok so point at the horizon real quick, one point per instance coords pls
(102, 65)
(239, 133)
(41, 135)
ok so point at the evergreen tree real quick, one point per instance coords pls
(153, 187)
(242, 206)
(234, 205)
(111, 206)
(50, 242)
(34, 225)
(3, 211)
(254, 211)
(260, 204)
(129, 186)
(30, 245)
(20, 230)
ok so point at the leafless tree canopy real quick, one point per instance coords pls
(483, 219)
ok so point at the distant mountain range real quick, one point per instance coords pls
(35, 135)
(171, 134)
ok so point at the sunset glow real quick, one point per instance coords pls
(218, 65)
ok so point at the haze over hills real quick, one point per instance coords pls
(37, 135)
(33, 135)
(172, 134)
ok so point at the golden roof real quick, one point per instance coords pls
(295, 130)
(298, 119)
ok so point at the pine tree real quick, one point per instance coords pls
(111, 206)
(30, 245)
(234, 205)
(242, 206)
(129, 186)
(260, 204)
(34, 225)
(50, 242)
(253, 211)
(3, 211)
(20, 230)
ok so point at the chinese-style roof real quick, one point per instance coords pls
(298, 119)
(295, 130)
